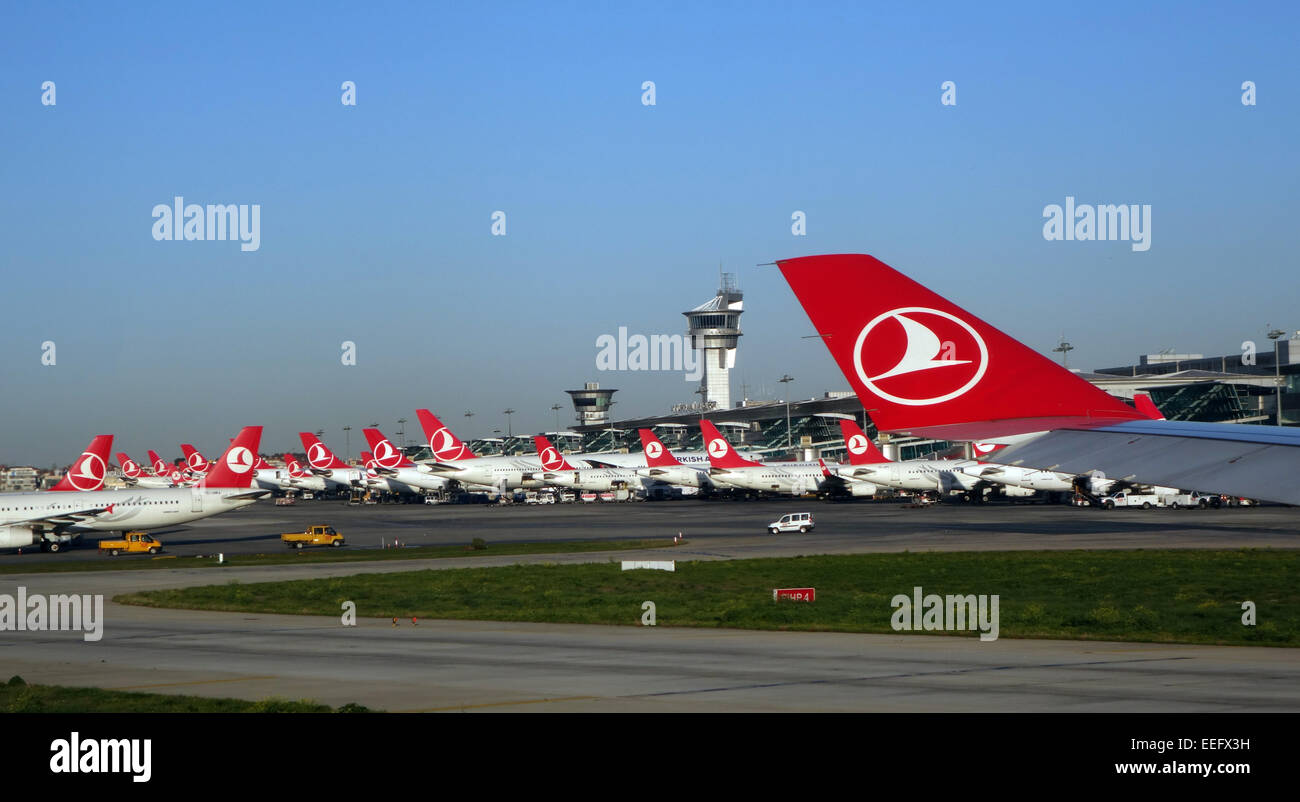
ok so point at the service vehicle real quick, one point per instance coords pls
(1144, 500)
(793, 522)
(131, 543)
(318, 535)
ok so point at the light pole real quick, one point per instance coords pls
(510, 430)
(1064, 350)
(401, 431)
(1273, 335)
(347, 442)
(557, 408)
(789, 441)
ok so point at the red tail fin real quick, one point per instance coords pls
(234, 468)
(294, 466)
(1147, 407)
(920, 363)
(656, 456)
(861, 450)
(552, 459)
(130, 468)
(197, 462)
(318, 454)
(721, 454)
(445, 446)
(368, 462)
(386, 455)
(160, 466)
(87, 473)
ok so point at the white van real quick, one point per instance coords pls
(794, 522)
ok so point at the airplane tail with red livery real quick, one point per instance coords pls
(445, 445)
(384, 453)
(294, 467)
(552, 459)
(860, 448)
(656, 455)
(234, 468)
(922, 365)
(161, 467)
(87, 473)
(318, 454)
(198, 464)
(721, 452)
(130, 468)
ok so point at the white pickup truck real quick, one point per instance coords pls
(1148, 500)
(1144, 500)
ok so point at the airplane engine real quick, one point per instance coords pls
(17, 537)
(1011, 491)
(862, 490)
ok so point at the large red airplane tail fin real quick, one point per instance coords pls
(234, 468)
(161, 467)
(861, 450)
(656, 455)
(130, 468)
(445, 445)
(921, 364)
(87, 473)
(721, 453)
(384, 453)
(552, 459)
(319, 454)
(197, 463)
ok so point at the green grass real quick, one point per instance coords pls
(326, 554)
(18, 697)
(1186, 596)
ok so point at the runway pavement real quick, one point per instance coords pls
(488, 666)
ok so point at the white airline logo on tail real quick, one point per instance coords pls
(318, 455)
(386, 456)
(653, 450)
(857, 444)
(88, 473)
(920, 354)
(195, 461)
(239, 460)
(551, 459)
(444, 451)
(130, 468)
(718, 447)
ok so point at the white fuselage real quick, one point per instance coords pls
(924, 475)
(795, 478)
(31, 517)
(600, 479)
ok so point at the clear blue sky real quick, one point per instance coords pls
(375, 222)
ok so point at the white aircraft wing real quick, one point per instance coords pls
(1259, 462)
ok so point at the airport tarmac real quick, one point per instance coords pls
(496, 666)
(736, 528)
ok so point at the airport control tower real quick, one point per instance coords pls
(714, 329)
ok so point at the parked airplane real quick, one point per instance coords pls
(392, 464)
(326, 465)
(558, 471)
(53, 520)
(662, 465)
(301, 478)
(796, 478)
(133, 475)
(925, 366)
